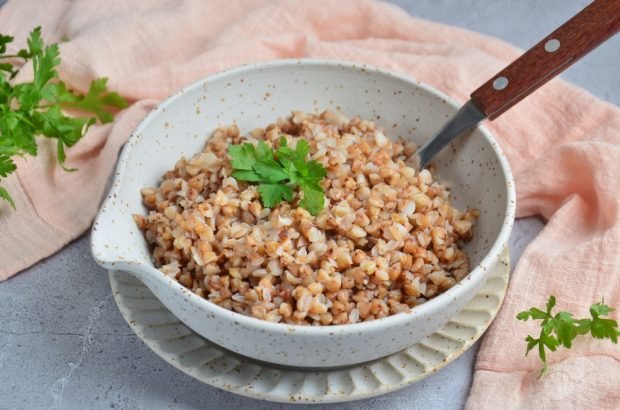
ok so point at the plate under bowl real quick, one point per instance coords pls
(186, 350)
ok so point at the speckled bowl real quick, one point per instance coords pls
(253, 96)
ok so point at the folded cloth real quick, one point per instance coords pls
(563, 146)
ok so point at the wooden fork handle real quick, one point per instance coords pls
(577, 37)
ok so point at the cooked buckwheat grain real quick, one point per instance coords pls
(388, 238)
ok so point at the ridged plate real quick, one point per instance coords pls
(209, 363)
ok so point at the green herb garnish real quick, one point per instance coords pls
(561, 329)
(35, 108)
(278, 172)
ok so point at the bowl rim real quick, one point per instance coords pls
(473, 277)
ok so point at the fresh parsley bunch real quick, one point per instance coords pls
(562, 328)
(30, 109)
(279, 172)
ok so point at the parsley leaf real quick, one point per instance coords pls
(96, 101)
(4, 40)
(603, 328)
(313, 198)
(242, 157)
(43, 64)
(35, 44)
(315, 171)
(561, 329)
(7, 165)
(32, 109)
(270, 171)
(301, 149)
(263, 152)
(273, 194)
(4, 194)
(246, 175)
(279, 172)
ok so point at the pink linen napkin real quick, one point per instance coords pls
(562, 143)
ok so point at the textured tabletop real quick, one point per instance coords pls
(64, 344)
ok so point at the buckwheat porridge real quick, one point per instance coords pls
(387, 238)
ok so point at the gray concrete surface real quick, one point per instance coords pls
(64, 345)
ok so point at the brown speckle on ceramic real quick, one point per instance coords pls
(309, 85)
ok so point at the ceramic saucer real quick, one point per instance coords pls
(183, 348)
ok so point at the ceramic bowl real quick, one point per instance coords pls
(253, 96)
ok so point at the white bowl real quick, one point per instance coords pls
(253, 96)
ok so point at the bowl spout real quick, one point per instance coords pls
(115, 251)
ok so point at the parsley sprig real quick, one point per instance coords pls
(279, 171)
(562, 328)
(30, 109)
